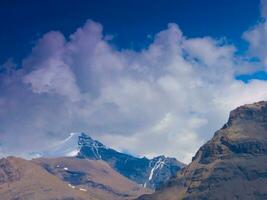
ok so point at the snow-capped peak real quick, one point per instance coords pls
(66, 147)
(71, 146)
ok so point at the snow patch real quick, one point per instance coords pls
(84, 190)
(73, 153)
(72, 186)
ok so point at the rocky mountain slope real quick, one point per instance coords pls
(151, 173)
(64, 179)
(94, 177)
(23, 180)
(232, 165)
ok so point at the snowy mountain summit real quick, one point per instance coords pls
(71, 146)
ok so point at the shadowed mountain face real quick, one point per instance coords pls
(232, 165)
(151, 173)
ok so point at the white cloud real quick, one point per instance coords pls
(53, 76)
(257, 36)
(165, 99)
(263, 6)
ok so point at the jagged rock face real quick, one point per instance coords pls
(232, 165)
(150, 173)
(245, 133)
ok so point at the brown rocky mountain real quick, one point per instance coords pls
(232, 165)
(94, 177)
(63, 179)
(23, 180)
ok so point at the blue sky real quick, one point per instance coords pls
(130, 22)
(147, 77)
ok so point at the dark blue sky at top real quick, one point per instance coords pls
(130, 21)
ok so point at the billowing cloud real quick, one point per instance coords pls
(168, 98)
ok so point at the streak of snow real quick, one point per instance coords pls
(159, 164)
(95, 150)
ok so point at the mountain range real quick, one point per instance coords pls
(232, 165)
(150, 173)
(80, 167)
